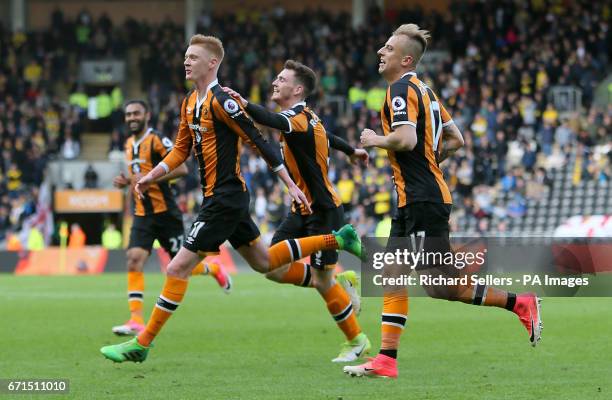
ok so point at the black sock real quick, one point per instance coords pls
(511, 301)
(389, 353)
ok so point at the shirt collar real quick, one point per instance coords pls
(200, 102)
(408, 73)
(299, 103)
(137, 143)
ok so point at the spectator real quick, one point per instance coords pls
(90, 177)
(116, 142)
(563, 134)
(70, 148)
(77, 238)
(111, 238)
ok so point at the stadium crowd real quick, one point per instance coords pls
(503, 57)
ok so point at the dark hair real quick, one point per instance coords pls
(143, 103)
(304, 75)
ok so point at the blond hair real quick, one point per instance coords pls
(417, 40)
(209, 43)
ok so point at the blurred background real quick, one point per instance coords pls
(528, 82)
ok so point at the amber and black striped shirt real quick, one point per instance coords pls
(215, 128)
(143, 155)
(416, 173)
(305, 149)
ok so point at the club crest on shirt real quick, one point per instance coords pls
(398, 103)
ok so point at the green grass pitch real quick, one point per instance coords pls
(270, 341)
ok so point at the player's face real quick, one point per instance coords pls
(136, 118)
(284, 85)
(197, 62)
(391, 56)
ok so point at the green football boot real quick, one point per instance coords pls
(126, 351)
(348, 240)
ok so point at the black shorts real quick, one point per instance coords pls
(319, 223)
(222, 217)
(167, 227)
(426, 226)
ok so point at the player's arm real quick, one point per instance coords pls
(403, 104)
(163, 146)
(355, 155)
(121, 181)
(452, 140)
(403, 138)
(336, 142)
(177, 156)
(236, 119)
(176, 173)
(261, 114)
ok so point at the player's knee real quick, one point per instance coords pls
(260, 261)
(274, 276)
(322, 280)
(177, 269)
(440, 292)
(260, 267)
(136, 259)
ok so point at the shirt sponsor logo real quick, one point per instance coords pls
(198, 128)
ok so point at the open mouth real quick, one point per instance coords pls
(381, 63)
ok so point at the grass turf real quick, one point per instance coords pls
(270, 341)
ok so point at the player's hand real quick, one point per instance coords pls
(120, 181)
(235, 95)
(143, 185)
(368, 138)
(299, 197)
(360, 155)
(136, 177)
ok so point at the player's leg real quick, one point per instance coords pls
(205, 236)
(525, 306)
(213, 266)
(264, 259)
(142, 236)
(325, 221)
(297, 273)
(170, 233)
(173, 291)
(337, 300)
(395, 309)
(136, 258)
(341, 309)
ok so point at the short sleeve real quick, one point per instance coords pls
(298, 122)
(446, 117)
(404, 105)
(163, 145)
